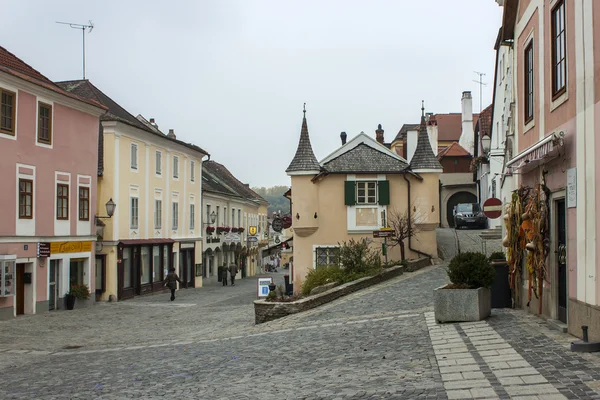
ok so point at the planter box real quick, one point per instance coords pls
(461, 305)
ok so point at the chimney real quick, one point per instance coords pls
(432, 132)
(171, 134)
(152, 121)
(343, 136)
(467, 136)
(379, 134)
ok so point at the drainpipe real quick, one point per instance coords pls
(409, 242)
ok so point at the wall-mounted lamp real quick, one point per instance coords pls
(486, 142)
(315, 215)
(110, 211)
(213, 218)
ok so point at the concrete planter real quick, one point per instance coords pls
(461, 305)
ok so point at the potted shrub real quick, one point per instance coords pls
(468, 296)
(210, 230)
(81, 292)
(501, 293)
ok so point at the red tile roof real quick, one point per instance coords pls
(13, 65)
(449, 126)
(454, 150)
(485, 122)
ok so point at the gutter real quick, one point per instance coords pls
(409, 241)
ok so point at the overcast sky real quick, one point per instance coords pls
(232, 76)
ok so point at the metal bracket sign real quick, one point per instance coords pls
(277, 225)
(384, 233)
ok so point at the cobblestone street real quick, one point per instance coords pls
(381, 342)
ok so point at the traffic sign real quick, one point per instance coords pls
(492, 208)
(384, 233)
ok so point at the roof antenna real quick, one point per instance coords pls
(83, 28)
(481, 85)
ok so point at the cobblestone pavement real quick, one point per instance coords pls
(378, 343)
(469, 240)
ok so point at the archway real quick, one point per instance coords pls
(457, 198)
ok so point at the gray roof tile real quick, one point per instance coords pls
(305, 159)
(364, 159)
(424, 158)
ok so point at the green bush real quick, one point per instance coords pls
(357, 258)
(497, 255)
(81, 292)
(321, 276)
(470, 271)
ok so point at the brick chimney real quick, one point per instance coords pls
(343, 136)
(379, 134)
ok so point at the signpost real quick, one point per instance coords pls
(384, 233)
(492, 208)
(43, 249)
(263, 286)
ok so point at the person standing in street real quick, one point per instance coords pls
(233, 269)
(171, 281)
(224, 275)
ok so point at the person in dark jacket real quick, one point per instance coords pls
(233, 270)
(171, 281)
(224, 275)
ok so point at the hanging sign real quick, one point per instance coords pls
(263, 286)
(572, 188)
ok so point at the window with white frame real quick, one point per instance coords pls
(192, 217)
(366, 192)
(157, 214)
(175, 167)
(192, 171)
(134, 156)
(133, 222)
(158, 163)
(327, 256)
(175, 216)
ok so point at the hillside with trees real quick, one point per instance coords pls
(274, 195)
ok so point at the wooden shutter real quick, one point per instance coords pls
(350, 193)
(384, 192)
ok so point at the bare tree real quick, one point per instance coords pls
(404, 226)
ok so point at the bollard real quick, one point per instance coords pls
(585, 333)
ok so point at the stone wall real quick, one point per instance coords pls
(265, 311)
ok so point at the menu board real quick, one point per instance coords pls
(7, 278)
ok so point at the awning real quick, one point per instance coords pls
(543, 151)
(131, 242)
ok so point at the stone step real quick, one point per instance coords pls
(557, 325)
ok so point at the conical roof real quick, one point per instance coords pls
(304, 160)
(424, 158)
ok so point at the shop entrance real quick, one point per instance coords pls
(53, 285)
(561, 252)
(20, 294)
(186, 267)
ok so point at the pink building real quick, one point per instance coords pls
(49, 163)
(555, 114)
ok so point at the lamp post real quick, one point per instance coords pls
(486, 141)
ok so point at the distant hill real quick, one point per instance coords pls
(274, 195)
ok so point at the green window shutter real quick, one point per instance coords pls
(350, 193)
(384, 192)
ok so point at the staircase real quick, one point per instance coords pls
(490, 234)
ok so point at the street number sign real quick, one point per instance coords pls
(492, 208)
(384, 233)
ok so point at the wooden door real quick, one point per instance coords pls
(20, 294)
(561, 259)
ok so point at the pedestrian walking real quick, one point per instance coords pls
(233, 269)
(224, 275)
(171, 281)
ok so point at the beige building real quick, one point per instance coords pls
(155, 181)
(343, 197)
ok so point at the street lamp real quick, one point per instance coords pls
(486, 141)
(213, 218)
(110, 210)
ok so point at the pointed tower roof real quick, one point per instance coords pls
(304, 162)
(424, 158)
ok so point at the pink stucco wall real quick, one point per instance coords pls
(75, 150)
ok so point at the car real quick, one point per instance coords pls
(469, 215)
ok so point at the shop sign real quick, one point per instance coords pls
(232, 238)
(70, 247)
(252, 230)
(572, 188)
(263, 286)
(253, 239)
(43, 249)
(186, 245)
(384, 233)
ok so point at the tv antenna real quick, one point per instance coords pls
(83, 28)
(481, 85)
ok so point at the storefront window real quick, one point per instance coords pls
(165, 260)
(156, 263)
(127, 268)
(7, 273)
(76, 272)
(146, 267)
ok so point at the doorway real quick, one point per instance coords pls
(53, 285)
(454, 200)
(20, 294)
(186, 267)
(561, 259)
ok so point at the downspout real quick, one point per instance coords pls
(409, 218)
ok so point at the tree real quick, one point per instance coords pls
(404, 227)
(274, 195)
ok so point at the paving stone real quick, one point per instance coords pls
(482, 393)
(466, 384)
(459, 394)
(531, 389)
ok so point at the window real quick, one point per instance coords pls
(25, 198)
(192, 216)
(175, 167)
(225, 216)
(146, 267)
(175, 216)
(192, 171)
(559, 54)
(134, 156)
(326, 256)
(84, 204)
(126, 261)
(232, 217)
(157, 214)
(217, 220)
(208, 213)
(158, 163)
(366, 192)
(239, 218)
(529, 82)
(156, 264)
(7, 112)
(62, 201)
(44, 123)
(133, 223)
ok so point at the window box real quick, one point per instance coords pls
(210, 230)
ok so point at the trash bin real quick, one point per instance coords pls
(501, 293)
(289, 287)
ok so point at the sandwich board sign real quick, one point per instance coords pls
(263, 286)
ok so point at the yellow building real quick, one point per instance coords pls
(344, 196)
(235, 208)
(155, 181)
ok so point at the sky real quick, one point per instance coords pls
(232, 76)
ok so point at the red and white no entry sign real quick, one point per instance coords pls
(492, 208)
